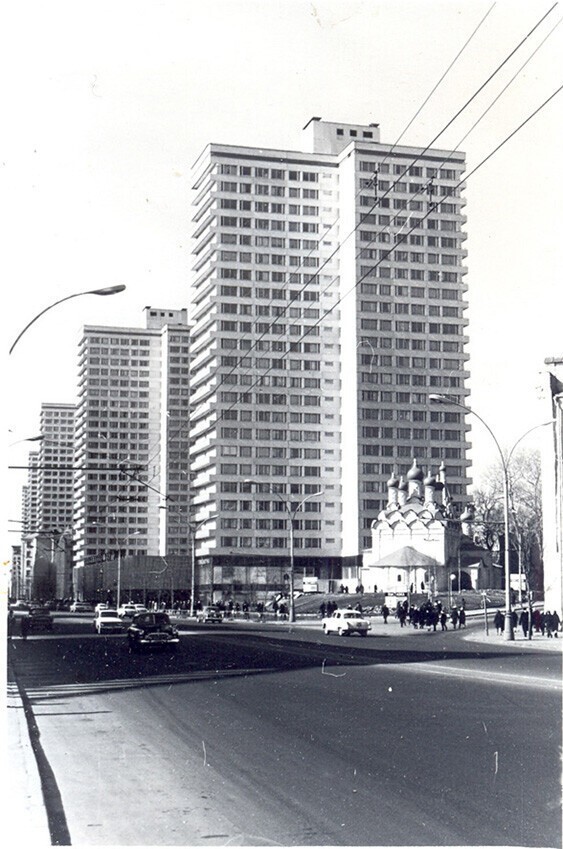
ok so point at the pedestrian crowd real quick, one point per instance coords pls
(427, 615)
(544, 622)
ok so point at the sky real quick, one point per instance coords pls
(106, 105)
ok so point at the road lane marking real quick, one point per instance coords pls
(89, 688)
(503, 678)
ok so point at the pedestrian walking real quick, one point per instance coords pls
(536, 620)
(454, 617)
(322, 609)
(548, 623)
(385, 613)
(524, 622)
(444, 620)
(24, 626)
(462, 618)
(11, 622)
(555, 622)
(498, 622)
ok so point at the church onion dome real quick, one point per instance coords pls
(415, 473)
(393, 481)
(430, 480)
(403, 484)
(467, 516)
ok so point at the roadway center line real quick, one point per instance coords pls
(503, 678)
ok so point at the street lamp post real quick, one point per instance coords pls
(505, 460)
(291, 529)
(193, 530)
(108, 290)
(118, 589)
(447, 399)
(484, 594)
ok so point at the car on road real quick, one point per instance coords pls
(127, 610)
(140, 608)
(210, 614)
(39, 619)
(152, 630)
(81, 607)
(20, 604)
(345, 622)
(107, 621)
(102, 605)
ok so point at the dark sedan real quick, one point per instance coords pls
(152, 630)
(38, 619)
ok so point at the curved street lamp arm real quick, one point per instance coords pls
(450, 400)
(109, 290)
(519, 440)
(301, 503)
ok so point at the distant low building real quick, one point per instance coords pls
(418, 544)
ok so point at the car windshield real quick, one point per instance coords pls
(152, 619)
(108, 614)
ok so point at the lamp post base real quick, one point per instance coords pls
(508, 629)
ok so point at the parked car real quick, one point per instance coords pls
(81, 607)
(108, 621)
(127, 610)
(345, 622)
(20, 604)
(102, 605)
(210, 614)
(140, 608)
(39, 619)
(152, 630)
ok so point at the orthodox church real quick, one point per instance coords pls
(419, 545)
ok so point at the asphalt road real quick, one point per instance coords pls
(266, 735)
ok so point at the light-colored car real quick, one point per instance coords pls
(81, 607)
(210, 614)
(20, 604)
(140, 608)
(127, 610)
(107, 621)
(346, 622)
(101, 606)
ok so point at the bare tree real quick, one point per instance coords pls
(525, 514)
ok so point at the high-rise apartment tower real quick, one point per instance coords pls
(131, 488)
(47, 504)
(327, 304)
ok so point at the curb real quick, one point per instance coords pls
(24, 792)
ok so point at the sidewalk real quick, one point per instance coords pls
(474, 632)
(538, 642)
(25, 818)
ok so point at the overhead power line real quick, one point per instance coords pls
(387, 155)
